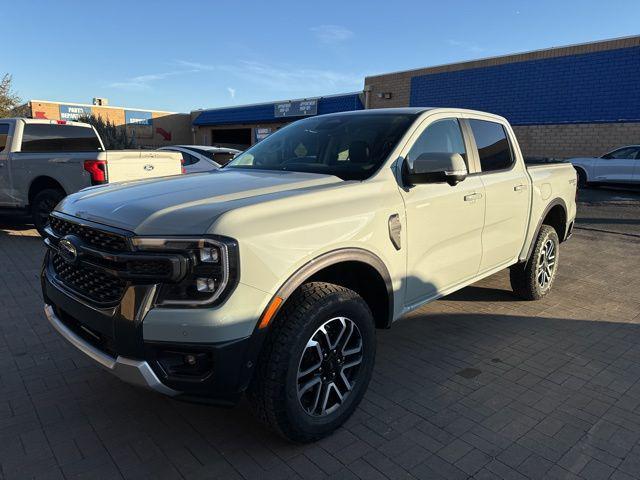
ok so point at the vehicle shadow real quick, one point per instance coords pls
(439, 375)
(481, 293)
(16, 225)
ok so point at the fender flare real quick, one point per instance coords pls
(332, 258)
(553, 203)
(258, 337)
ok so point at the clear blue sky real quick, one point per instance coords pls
(183, 55)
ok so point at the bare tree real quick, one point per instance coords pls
(9, 100)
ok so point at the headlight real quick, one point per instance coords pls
(212, 273)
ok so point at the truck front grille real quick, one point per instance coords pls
(91, 283)
(110, 242)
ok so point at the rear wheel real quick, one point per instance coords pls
(533, 280)
(316, 363)
(42, 206)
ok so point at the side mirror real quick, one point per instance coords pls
(437, 167)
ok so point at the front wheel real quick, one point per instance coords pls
(316, 363)
(582, 178)
(42, 206)
(534, 279)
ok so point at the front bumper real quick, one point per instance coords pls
(115, 341)
(135, 372)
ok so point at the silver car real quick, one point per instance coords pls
(621, 165)
(202, 158)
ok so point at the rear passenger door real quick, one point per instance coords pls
(506, 185)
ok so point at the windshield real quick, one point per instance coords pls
(351, 147)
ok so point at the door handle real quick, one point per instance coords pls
(472, 196)
(519, 188)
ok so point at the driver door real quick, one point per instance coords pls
(617, 166)
(444, 222)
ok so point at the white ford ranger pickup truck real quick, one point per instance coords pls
(270, 276)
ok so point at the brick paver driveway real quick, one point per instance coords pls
(478, 385)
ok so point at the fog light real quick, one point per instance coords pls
(205, 284)
(175, 363)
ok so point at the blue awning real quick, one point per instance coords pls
(265, 112)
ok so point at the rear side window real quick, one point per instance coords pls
(44, 137)
(202, 151)
(493, 145)
(4, 133)
(188, 159)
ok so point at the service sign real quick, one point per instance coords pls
(262, 133)
(297, 108)
(72, 113)
(132, 117)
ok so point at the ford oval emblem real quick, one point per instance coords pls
(148, 167)
(67, 250)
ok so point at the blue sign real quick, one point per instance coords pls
(297, 108)
(72, 113)
(138, 118)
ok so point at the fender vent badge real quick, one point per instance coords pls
(395, 230)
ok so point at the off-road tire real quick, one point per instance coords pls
(42, 205)
(523, 276)
(272, 393)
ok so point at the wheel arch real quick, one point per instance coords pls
(580, 168)
(41, 183)
(354, 268)
(554, 215)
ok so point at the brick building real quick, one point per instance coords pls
(242, 126)
(151, 128)
(567, 101)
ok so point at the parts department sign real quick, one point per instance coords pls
(297, 108)
(72, 113)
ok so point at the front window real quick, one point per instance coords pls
(627, 153)
(442, 136)
(351, 147)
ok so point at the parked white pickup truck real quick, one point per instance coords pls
(41, 161)
(271, 274)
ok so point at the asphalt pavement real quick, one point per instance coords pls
(609, 209)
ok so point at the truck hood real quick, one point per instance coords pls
(185, 204)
